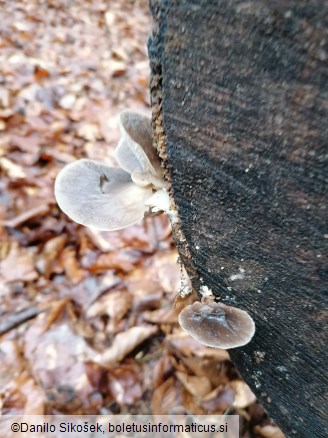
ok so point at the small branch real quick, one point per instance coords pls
(18, 318)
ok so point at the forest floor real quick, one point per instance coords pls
(88, 321)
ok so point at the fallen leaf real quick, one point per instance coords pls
(162, 369)
(19, 265)
(243, 394)
(45, 262)
(123, 344)
(161, 316)
(88, 290)
(114, 304)
(160, 274)
(40, 73)
(72, 269)
(25, 397)
(56, 357)
(166, 397)
(11, 362)
(35, 398)
(269, 431)
(55, 310)
(199, 387)
(124, 384)
(123, 260)
(218, 400)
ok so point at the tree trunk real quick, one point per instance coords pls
(240, 98)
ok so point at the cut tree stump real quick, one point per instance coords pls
(240, 98)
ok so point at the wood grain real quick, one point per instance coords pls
(240, 97)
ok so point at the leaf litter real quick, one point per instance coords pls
(88, 319)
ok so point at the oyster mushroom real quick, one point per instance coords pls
(96, 195)
(217, 325)
(137, 137)
(135, 152)
(107, 198)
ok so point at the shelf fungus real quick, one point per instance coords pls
(107, 198)
(217, 325)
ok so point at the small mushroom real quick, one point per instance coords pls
(217, 325)
(96, 195)
(137, 136)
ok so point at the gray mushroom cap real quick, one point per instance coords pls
(96, 195)
(137, 137)
(217, 325)
(125, 157)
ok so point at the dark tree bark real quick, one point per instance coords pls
(240, 98)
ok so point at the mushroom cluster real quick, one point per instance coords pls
(108, 198)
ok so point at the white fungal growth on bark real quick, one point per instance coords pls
(239, 276)
(205, 291)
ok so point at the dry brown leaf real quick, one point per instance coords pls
(72, 269)
(56, 358)
(218, 400)
(28, 144)
(161, 316)
(269, 431)
(199, 387)
(97, 376)
(123, 260)
(167, 271)
(243, 394)
(114, 304)
(215, 353)
(34, 395)
(51, 251)
(24, 397)
(124, 384)
(55, 310)
(124, 343)
(141, 285)
(161, 274)
(19, 265)
(162, 369)
(11, 362)
(40, 73)
(137, 236)
(87, 291)
(166, 397)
